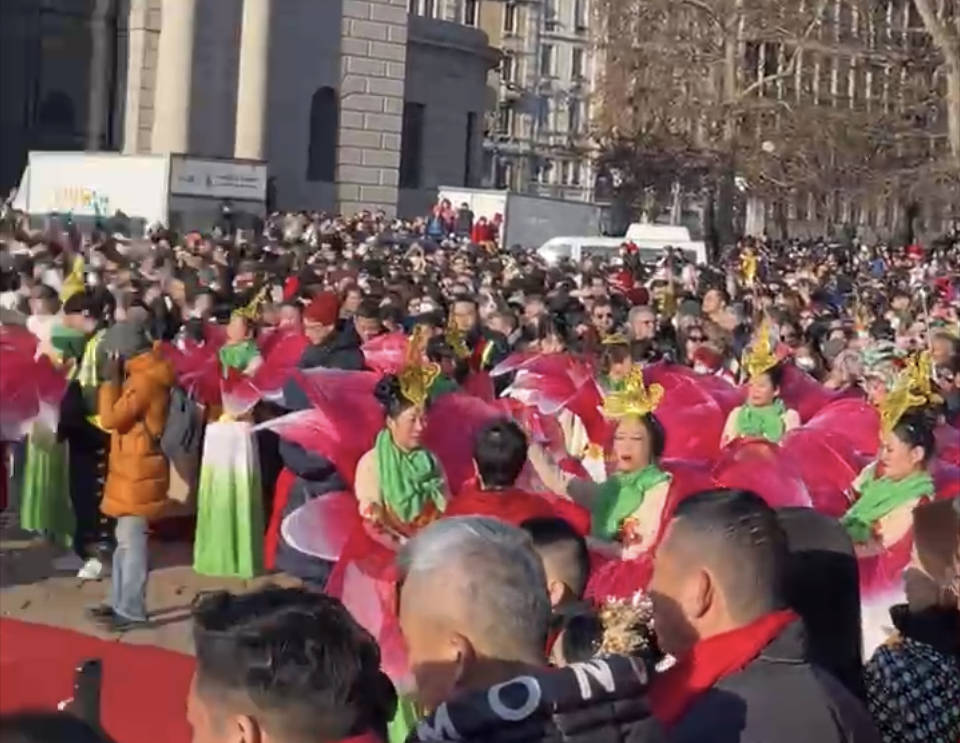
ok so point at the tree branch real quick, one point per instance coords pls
(794, 58)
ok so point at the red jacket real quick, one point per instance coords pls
(516, 506)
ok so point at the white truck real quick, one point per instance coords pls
(178, 191)
(528, 220)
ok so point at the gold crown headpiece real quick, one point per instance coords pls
(912, 388)
(251, 310)
(456, 340)
(634, 399)
(417, 377)
(760, 357)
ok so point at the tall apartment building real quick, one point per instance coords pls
(538, 99)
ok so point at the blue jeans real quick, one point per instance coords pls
(128, 590)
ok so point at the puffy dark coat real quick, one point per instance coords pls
(340, 351)
(601, 701)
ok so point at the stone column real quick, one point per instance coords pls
(251, 132)
(373, 53)
(171, 103)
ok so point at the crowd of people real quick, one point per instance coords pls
(605, 500)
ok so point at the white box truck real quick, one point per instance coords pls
(528, 220)
(178, 191)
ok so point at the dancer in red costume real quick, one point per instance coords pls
(499, 455)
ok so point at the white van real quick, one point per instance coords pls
(577, 248)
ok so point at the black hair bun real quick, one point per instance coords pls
(388, 392)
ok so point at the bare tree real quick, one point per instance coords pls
(810, 101)
(944, 29)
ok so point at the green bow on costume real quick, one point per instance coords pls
(763, 421)
(408, 480)
(619, 497)
(878, 497)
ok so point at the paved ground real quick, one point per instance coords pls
(30, 590)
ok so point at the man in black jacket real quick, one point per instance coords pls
(743, 673)
(474, 612)
(329, 347)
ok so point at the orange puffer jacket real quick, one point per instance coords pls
(135, 414)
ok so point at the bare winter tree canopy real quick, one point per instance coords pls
(798, 101)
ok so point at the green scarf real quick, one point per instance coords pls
(408, 480)
(442, 385)
(878, 497)
(764, 421)
(238, 355)
(68, 342)
(619, 497)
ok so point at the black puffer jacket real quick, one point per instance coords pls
(340, 351)
(315, 477)
(601, 701)
(780, 697)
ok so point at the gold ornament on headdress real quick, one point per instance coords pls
(748, 266)
(760, 358)
(456, 340)
(913, 387)
(251, 311)
(627, 625)
(416, 376)
(634, 399)
(615, 339)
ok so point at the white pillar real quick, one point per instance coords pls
(171, 103)
(251, 133)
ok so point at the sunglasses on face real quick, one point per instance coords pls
(606, 316)
(696, 338)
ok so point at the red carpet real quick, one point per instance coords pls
(144, 688)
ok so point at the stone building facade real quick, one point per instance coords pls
(539, 96)
(353, 103)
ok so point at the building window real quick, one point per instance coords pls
(575, 174)
(508, 68)
(546, 60)
(510, 17)
(544, 171)
(411, 145)
(565, 173)
(550, 22)
(470, 12)
(322, 148)
(505, 120)
(574, 120)
(576, 64)
(503, 176)
(580, 15)
(543, 112)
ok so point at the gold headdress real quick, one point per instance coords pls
(456, 340)
(634, 399)
(615, 339)
(912, 388)
(748, 266)
(627, 625)
(416, 376)
(251, 311)
(760, 357)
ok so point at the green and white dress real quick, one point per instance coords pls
(230, 519)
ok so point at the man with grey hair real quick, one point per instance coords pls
(474, 612)
(642, 323)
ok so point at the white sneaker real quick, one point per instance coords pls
(67, 563)
(92, 570)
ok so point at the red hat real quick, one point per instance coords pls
(324, 309)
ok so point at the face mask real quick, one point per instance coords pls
(806, 363)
